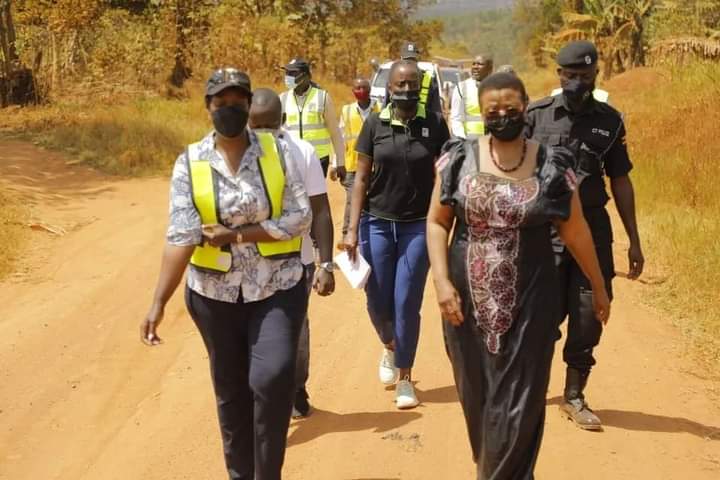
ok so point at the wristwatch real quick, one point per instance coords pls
(327, 266)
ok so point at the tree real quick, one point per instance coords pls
(17, 83)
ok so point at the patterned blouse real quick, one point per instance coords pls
(242, 201)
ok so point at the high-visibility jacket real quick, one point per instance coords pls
(425, 84)
(473, 120)
(598, 94)
(205, 198)
(352, 124)
(308, 121)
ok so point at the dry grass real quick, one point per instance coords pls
(124, 136)
(672, 119)
(12, 232)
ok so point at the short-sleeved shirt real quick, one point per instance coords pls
(311, 172)
(595, 135)
(241, 201)
(403, 163)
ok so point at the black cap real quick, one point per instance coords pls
(226, 78)
(409, 50)
(580, 53)
(297, 64)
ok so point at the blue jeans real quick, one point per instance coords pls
(397, 253)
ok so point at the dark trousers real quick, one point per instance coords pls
(325, 163)
(252, 349)
(584, 330)
(302, 369)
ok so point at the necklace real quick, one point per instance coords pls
(508, 169)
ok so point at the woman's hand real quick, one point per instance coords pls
(350, 244)
(149, 325)
(601, 304)
(218, 235)
(450, 302)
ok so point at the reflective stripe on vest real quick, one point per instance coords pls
(352, 124)
(308, 123)
(425, 87)
(204, 191)
(473, 120)
(204, 197)
(598, 94)
(272, 169)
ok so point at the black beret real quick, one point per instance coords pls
(580, 53)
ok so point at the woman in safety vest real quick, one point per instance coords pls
(396, 149)
(237, 213)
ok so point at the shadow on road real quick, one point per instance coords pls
(38, 175)
(322, 422)
(647, 422)
(438, 395)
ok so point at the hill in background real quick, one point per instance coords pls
(446, 8)
(474, 27)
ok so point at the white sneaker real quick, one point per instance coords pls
(388, 372)
(405, 394)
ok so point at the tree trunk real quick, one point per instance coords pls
(181, 71)
(16, 83)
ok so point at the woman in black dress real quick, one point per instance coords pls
(496, 283)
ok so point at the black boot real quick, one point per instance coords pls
(301, 406)
(574, 406)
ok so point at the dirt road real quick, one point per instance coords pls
(82, 399)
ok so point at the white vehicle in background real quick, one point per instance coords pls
(380, 79)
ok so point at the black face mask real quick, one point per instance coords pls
(230, 121)
(576, 91)
(506, 128)
(406, 100)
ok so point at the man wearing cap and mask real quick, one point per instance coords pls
(310, 115)
(352, 117)
(595, 132)
(465, 116)
(429, 86)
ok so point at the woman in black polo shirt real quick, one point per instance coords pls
(396, 149)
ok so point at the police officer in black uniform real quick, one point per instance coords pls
(595, 132)
(410, 51)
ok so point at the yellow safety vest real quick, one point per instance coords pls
(308, 122)
(473, 120)
(425, 84)
(598, 94)
(352, 124)
(204, 195)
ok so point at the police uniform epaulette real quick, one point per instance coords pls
(542, 103)
(606, 108)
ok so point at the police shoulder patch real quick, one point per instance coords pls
(542, 103)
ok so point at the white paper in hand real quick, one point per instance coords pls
(357, 273)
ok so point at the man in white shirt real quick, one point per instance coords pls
(266, 114)
(465, 116)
